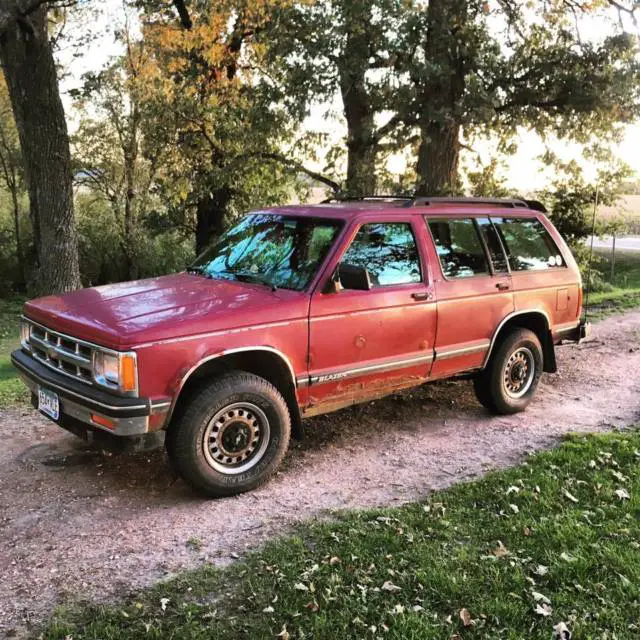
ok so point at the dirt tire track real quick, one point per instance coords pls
(76, 523)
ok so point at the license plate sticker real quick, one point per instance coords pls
(48, 403)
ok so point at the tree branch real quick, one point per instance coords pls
(183, 12)
(297, 166)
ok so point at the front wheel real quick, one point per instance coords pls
(509, 381)
(231, 436)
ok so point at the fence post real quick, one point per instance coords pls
(613, 258)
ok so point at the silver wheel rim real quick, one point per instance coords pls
(236, 438)
(519, 372)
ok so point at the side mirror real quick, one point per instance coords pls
(354, 277)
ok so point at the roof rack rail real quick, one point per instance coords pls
(364, 198)
(510, 203)
(425, 201)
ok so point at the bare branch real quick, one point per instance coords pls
(183, 12)
(297, 166)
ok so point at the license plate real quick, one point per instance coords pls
(48, 403)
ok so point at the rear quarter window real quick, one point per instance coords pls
(528, 244)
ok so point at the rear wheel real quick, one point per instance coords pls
(509, 381)
(231, 436)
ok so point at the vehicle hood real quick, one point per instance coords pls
(130, 313)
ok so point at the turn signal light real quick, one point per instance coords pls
(102, 421)
(128, 373)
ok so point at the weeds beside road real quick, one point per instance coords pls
(12, 391)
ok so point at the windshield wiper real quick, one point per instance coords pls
(198, 270)
(249, 276)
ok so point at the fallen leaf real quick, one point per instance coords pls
(622, 494)
(514, 508)
(566, 557)
(268, 610)
(284, 634)
(313, 606)
(465, 616)
(569, 496)
(163, 603)
(561, 632)
(397, 610)
(500, 551)
(541, 570)
(298, 586)
(539, 597)
(513, 489)
(389, 586)
(334, 560)
(544, 610)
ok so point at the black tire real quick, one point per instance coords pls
(253, 417)
(508, 383)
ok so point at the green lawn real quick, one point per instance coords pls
(509, 556)
(625, 294)
(12, 391)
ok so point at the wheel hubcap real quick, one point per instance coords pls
(236, 438)
(519, 372)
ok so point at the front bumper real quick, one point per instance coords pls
(79, 401)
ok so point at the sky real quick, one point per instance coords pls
(523, 171)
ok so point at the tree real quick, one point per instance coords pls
(432, 75)
(111, 154)
(350, 47)
(202, 89)
(30, 72)
(11, 174)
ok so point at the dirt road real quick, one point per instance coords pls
(75, 523)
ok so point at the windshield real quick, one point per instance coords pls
(275, 250)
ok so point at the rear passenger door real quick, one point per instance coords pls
(473, 290)
(541, 279)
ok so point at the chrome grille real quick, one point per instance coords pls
(60, 352)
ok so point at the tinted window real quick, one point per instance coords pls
(271, 249)
(528, 244)
(388, 251)
(494, 246)
(459, 248)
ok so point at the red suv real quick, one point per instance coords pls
(302, 310)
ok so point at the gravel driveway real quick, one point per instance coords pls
(76, 523)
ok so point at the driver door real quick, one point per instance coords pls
(367, 343)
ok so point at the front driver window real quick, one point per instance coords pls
(388, 251)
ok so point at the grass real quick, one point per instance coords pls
(625, 292)
(508, 556)
(12, 390)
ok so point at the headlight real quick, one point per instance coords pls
(118, 371)
(25, 332)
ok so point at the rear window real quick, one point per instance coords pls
(528, 244)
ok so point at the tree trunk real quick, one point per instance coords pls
(353, 66)
(29, 69)
(441, 95)
(211, 213)
(16, 223)
(438, 157)
(130, 223)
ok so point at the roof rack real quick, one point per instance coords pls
(364, 198)
(425, 201)
(509, 203)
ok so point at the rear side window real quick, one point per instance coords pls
(494, 246)
(459, 247)
(528, 244)
(388, 251)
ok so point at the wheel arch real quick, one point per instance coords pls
(535, 320)
(266, 362)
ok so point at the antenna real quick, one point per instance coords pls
(593, 231)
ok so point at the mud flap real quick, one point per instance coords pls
(549, 352)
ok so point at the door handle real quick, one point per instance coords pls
(426, 295)
(503, 286)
